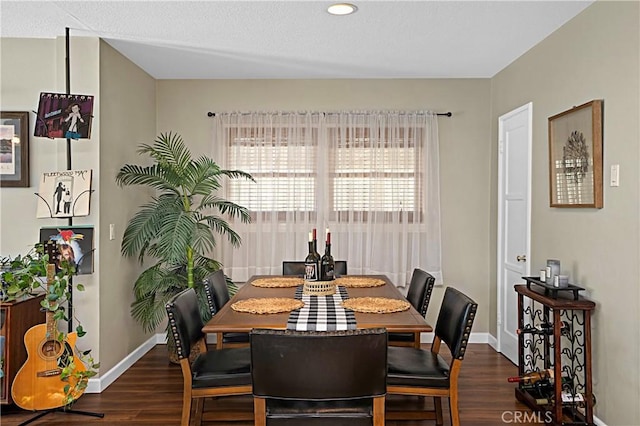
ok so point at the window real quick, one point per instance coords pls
(349, 169)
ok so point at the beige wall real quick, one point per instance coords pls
(125, 98)
(28, 68)
(594, 56)
(464, 147)
(127, 102)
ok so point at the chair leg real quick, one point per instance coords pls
(437, 404)
(378, 411)
(453, 409)
(259, 411)
(186, 410)
(199, 408)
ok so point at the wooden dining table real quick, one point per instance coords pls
(228, 320)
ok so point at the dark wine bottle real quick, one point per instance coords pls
(533, 377)
(315, 249)
(327, 264)
(544, 328)
(312, 262)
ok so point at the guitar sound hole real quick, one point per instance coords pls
(51, 348)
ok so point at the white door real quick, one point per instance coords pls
(514, 220)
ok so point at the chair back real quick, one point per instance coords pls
(293, 267)
(311, 365)
(455, 320)
(340, 267)
(296, 267)
(185, 322)
(420, 289)
(216, 290)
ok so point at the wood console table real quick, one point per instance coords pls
(16, 317)
(565, 348)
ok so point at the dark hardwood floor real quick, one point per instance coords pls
(150, 393)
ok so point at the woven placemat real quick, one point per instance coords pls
(277, 282)
(352, 282)
(376, 305)
(267, 305)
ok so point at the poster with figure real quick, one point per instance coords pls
(74, 243)
(61, 115)
(64, 194)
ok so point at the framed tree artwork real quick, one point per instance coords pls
(14, 149)
(575, 157)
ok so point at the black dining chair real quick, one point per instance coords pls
(419, 295)
(311, 377)
(425, 372)
(296, 267)
(293, 267)
(217, 295)
(222, 372)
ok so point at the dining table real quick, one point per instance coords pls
(230, 320)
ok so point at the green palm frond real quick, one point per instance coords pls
(203, 239)
(237, 174)
(222, 227)
(169, 151)
(225, 207)
(153, 176)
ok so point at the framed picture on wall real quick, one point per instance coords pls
(62, 115)
(575, 156)
(14, 149)
(65, 193)
(74, 243)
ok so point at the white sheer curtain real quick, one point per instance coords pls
(371, 178)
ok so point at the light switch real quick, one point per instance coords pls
(615, 175)
(112, 231)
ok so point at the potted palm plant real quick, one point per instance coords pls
(178, 226)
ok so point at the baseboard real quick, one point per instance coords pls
(493, 342)
(598, 422)
(99, 384)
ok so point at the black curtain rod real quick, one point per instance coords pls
(440, 114)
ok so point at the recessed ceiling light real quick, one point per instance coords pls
(342, 9)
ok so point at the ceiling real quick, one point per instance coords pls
(299, 39)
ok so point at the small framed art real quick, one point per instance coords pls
(575, 157)
(74, 243)
(14, 149)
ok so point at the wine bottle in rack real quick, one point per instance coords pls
(312, 261)
(540, 378)
(327, 264)
(544, 328)
(531, 378)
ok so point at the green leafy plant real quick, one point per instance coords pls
(26, 275)
(178, 227)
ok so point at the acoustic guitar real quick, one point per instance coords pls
(37, 385)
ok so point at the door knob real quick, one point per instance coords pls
(522, 258)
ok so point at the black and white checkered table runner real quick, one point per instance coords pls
(322, 313)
